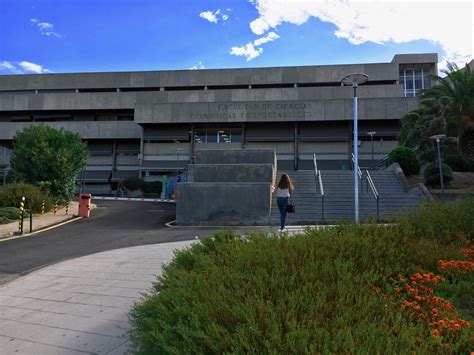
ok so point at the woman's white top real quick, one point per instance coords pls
(283, 192)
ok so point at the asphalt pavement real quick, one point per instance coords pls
(112, 225)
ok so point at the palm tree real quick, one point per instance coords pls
(458, 88)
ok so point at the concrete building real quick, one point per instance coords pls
(153, 123)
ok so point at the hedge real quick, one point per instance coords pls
(324, 291)
(431, 174)
(10, 196)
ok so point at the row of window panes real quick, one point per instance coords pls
(218, 136)
(414, 80)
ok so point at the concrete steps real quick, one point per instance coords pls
(339, 197)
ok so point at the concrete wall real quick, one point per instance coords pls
(223, 204)
(87, 129)
(248, 156)
(231, 173)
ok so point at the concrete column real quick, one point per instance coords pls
(141, 155)
(114, 156)
(295, 139)
(193, 143)
(242, 137)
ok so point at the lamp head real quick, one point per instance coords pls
(438, 137)
(371, 133)
(354, 79)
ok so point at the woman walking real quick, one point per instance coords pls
(284, 189)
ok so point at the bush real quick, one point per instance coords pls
(406, 158)
(133, 183)
(305, 294)
(4, 220)
(10, 196)
(431, 175)
(9, 212)
(152, 187)
(457, 163)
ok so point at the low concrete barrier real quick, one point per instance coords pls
(204, 203)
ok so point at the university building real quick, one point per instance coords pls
(153, 123)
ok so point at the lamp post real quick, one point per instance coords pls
(438, 138)
(355, 80)
(372, 134)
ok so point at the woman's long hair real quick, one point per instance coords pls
(286, 183)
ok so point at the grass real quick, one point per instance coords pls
(319, 292)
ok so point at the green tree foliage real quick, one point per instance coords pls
(46, 156)
(458, 86)
(407, 159)
(446, 108)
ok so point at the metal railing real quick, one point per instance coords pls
(359, 172)
(320, 180)
(370, 183)
(381, 163)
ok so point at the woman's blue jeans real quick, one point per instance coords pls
(282, 203)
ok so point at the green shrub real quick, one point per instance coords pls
(9, 212)
(305, 294)
(431, 175)
(152, 187)
(4, 220)
(457, 163)
(10, 196)
(406, 158)
(133, 183)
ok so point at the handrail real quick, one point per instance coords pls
(370, 183)
(320, 180)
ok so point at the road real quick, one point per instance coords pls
(112, 225)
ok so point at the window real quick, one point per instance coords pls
(414, 79)
(218, 136)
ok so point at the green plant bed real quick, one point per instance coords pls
(9, 212)
(311, 293)
(4, 220)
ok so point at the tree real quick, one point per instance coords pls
(458, 87)
(46, 156)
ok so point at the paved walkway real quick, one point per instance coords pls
(40, 221)
(80, 305)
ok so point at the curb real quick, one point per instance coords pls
(133, 199)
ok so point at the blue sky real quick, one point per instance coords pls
(127, 35)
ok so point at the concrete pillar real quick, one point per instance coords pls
(141, 155)
(295, 140)
(242, 136)
(193, 143)
(114, 156)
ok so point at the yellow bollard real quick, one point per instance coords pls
(42, 206)
(67, 207)
(55, 207)
(20, 215)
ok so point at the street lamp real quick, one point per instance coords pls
(355, 80)
(438, 138)
(372, 134)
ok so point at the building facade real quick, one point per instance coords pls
(152, 123)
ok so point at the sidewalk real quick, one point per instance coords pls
(40, 221)
(81, 305)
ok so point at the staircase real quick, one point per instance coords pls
(339, 197)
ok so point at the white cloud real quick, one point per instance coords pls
(209, 16)
(449, 24)
(23, 67)
(46, 28)
(199, 66)
(7, 65)
(270, 37)
(214, 16)
(248, 51)
(251, 50)
(32, 67)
